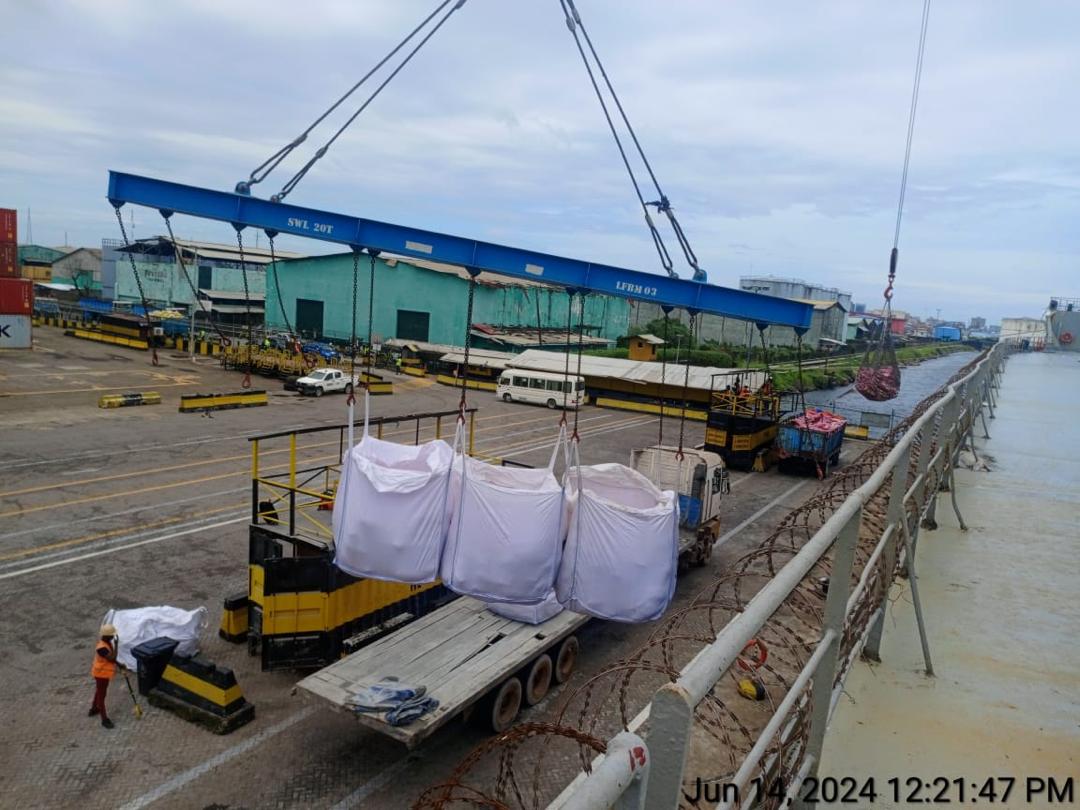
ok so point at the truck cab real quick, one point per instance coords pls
(321, 381)
(700, 479)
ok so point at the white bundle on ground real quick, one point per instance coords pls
(506, 531)
(390, 510)
(622, 549)
(529, 614)
(136, 625)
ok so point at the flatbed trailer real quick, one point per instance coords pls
(472, 661)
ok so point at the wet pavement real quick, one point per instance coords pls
(1002, 606)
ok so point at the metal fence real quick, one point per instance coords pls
(824, 574)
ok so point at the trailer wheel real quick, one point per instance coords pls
(566, 659)
(505, 705)
(538, 680)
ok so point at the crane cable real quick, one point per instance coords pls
(895, 254)
(321, 151)
(207, 313)
(573, 23)
(246, 382)
(263, 170)
(138, 283)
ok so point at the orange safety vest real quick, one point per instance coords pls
(103, 667)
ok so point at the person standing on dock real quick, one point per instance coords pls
(103, 670)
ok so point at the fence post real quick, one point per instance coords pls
(619, 781)
(670, 721)
(835, 609)
(872, 648)
(946, 429)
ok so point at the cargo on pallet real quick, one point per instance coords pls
(15, 331)
(9, 226)
(16, 296)
(9, 260)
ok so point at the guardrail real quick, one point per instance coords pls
(788, 749)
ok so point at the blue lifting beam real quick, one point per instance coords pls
(244, 211)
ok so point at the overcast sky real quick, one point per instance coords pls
(777, 129)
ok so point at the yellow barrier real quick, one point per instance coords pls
(649, 407)
(218, 402)
(414, 371)
(115, 340)
(127, 400)
(856, 431)
(477, 385)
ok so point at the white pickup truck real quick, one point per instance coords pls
(324, 381)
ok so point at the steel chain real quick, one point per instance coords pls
(246, 382)
(352, 340)
(580, 341)
(142, 293)
(663, 376)
(468, 345)
(208, 313)
(277, 286)
(679, 455)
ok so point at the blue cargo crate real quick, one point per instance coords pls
(689, 511)
(794, 441)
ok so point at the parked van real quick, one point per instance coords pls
(541, 388)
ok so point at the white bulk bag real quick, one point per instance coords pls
(136, 625)
(506, 532)
(622, 549)
(529, 614)
(390, 510)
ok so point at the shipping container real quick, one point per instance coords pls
(947, 333)
(16, 296)
(9, 226)
(9, 261)
(15, 331)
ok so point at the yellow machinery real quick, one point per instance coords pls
(742, 423)
(300, 610)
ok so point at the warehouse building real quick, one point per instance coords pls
(828, 326)
(213, 269)
(424, 301)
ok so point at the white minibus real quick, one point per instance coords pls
(540, 387)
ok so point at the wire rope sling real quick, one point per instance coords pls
(878, 377)
(622, 546)
(389, 518)
(507, 524)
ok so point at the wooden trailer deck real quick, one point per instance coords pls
(459, 652)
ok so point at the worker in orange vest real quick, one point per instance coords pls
(103, 669)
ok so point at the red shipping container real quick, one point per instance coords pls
(9, 226)
(9, 261)
(16, 296)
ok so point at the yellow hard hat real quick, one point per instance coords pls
(107, 630)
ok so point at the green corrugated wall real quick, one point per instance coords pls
(445, 296)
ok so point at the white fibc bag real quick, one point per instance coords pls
(622, 548)
(136, 625)
(390, 510)
(529, 614)
(507, 526)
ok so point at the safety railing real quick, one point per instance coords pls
(788, 749)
